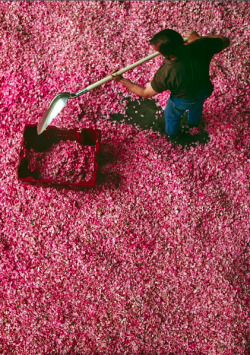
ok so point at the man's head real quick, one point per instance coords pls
(168, 42)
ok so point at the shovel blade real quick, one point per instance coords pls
(55, 107)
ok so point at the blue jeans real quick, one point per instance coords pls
(176, 107)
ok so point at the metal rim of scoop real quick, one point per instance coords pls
(60, 100)
(55, 107)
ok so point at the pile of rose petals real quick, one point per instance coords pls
(154, 259)
(66, 161)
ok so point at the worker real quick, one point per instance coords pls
(185, 73)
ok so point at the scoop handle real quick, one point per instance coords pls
(109, 77)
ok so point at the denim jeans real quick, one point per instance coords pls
(176, 107)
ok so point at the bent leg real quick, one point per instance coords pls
(172, 118)
(194, 113)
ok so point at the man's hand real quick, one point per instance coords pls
(116, 78)
(145, 92)
(192, 36)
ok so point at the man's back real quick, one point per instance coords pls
(188, 74)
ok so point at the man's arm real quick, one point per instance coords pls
(193, 36)
(145, 92)
(225, 40)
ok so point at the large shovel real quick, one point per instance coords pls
(60, 100)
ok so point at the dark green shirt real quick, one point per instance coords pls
(189, 74)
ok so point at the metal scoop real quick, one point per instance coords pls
(60, 100)
(55, 107)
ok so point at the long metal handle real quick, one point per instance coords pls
(109, 77)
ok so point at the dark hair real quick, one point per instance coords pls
(170, 41)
